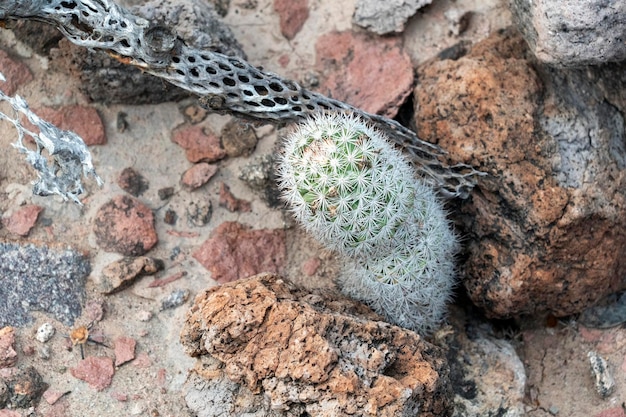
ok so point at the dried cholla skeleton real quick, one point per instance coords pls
(225, 84)
(69, 154)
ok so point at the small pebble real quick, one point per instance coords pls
(600, 371)
(44, 352)
(175, 299)
(144, 315)
(45, 332)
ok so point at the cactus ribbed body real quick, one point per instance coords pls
(357, 194)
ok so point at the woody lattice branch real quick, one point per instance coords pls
(225, 84)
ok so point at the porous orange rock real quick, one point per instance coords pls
(546, 228)
(322, 354)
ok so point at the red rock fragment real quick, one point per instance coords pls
(198, 175)
(15, 72)
(9, 413)
(8, 355)
(82, 120)
(292, 14)
(199, 143)
(374, 74)
(96, 371)
(232, 203)
(124, 350)
(234, 251)
(125, 225)
(23, 220)
(52, 396)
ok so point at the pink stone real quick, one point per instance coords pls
(611, 412)
(15, 72)
(374, 74)
(5, 412)
(590, 335)
(309, 267)
(23, 220)
(125, 225)
(198, 175)
(234, 251)
(142, 360)
(8, 355)
(96, 371)
(124, 350)
(199, 143)
(51, 396)
(292, 15)
(94, 310)
(82, 120)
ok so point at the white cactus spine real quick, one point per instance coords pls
(350, 188)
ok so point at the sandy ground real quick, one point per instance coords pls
(559, 380)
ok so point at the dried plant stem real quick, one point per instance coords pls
(225, 84)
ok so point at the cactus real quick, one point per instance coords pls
(357, 194)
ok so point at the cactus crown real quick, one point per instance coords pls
(345, 183)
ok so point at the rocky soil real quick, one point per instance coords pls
(188, 203)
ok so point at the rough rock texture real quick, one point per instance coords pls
(582, 33)
(349, 72)
(546, 229)
(234, 251)
(23, 388)
(292, 15)
(15, 72)
(132, 182)
(383, 17)
(104, 79)
(238, 138)
(232, 203)
(488, 377)
(125, 225)
(319, 355)
(41, 278)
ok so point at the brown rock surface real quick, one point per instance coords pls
(234, 251)
(546, 228)
(125, 225)
(371, 73)
(232, 203)
(122, 273)
(200, 144)
(198, 175)
(321, 355)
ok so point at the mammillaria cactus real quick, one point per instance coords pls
(358, 195)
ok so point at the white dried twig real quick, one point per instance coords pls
(69, 157)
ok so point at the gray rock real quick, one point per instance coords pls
(40, 278)
(382, 17)
(584, 32)
(487, 374)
